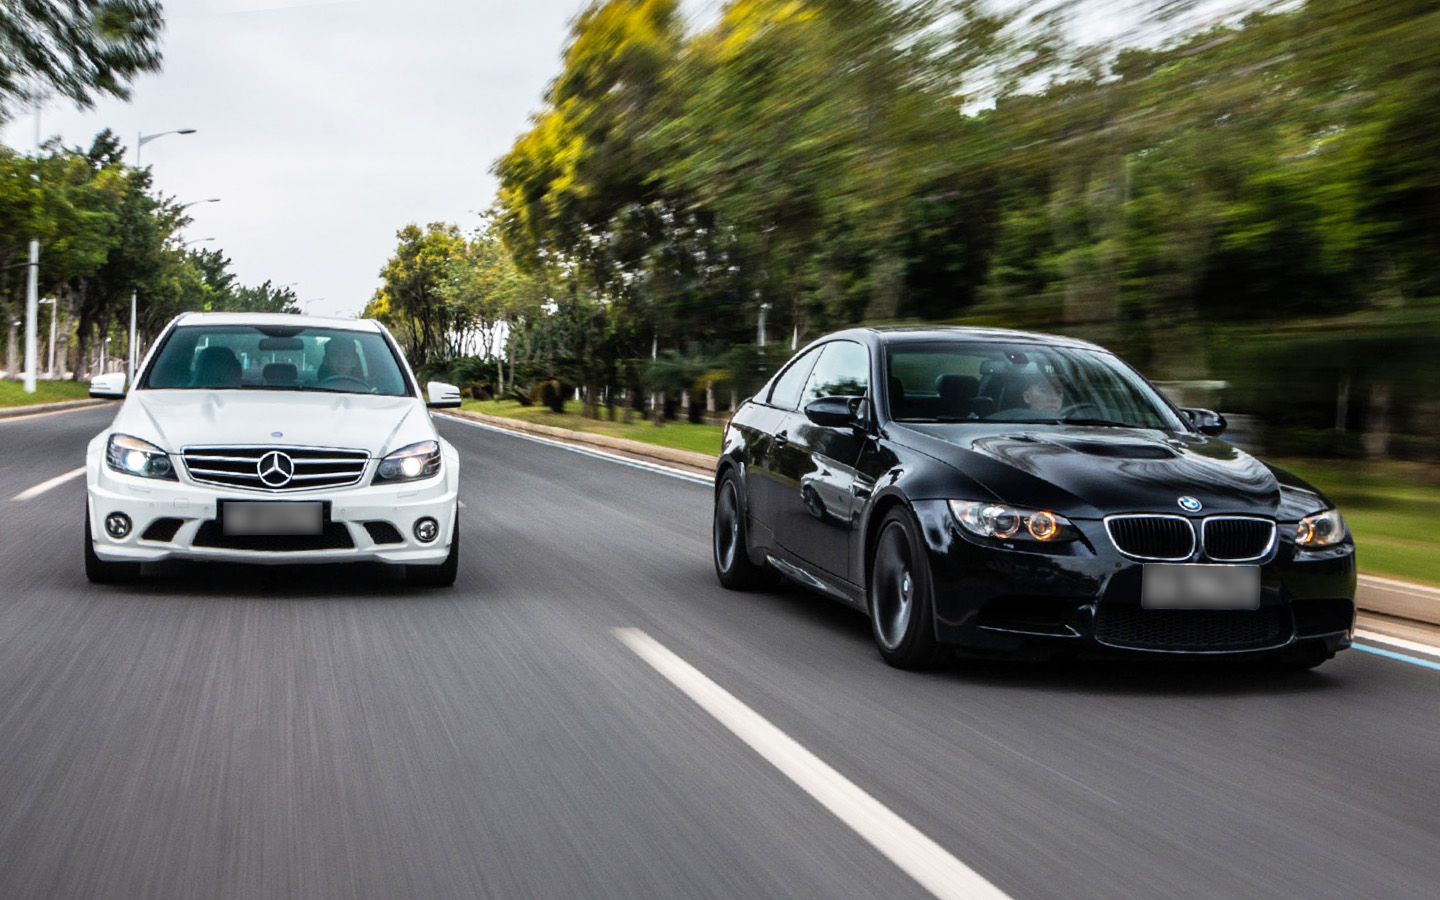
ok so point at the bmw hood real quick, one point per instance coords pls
(174, 420)
(1090, 472)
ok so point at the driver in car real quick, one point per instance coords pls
(1043, 395)
(341, 361)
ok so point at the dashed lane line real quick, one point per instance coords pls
(931, 865)
(42, 487)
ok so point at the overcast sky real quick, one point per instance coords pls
(324, 127)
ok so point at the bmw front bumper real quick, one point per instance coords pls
(1084, 598)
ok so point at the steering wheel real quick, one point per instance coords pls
(345, 381)
(1083, 410)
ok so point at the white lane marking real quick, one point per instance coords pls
(917, 855)
(44, 486)
(598, 454)
(1375, 637)
(1406, 587)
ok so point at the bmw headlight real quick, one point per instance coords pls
(1012, 523)
(410, 463)
(133, 456)
(1321, 530)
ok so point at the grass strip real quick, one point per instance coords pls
(12, 393)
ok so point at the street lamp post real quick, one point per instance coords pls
(141, 141)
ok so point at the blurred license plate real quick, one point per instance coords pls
(240, 517)
(1196, 586)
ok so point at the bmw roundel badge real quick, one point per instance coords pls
(1190, 504)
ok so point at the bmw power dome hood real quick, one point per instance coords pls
(177, 419)
(1084, 471)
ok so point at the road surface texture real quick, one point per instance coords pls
(220, 732)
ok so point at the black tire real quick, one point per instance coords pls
(730, 538)
(901, 596)
(100, 571)
(444, 574)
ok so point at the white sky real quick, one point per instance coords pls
(324, 127)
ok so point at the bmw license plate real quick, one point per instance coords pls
(272, 517)
(1199, 586)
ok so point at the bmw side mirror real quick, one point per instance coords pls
(108, 387)
(831, 412)
(439, 395)
(1206, 421)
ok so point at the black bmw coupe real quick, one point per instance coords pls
(1014, 493)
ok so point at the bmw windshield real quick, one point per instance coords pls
(276, 358)
(1020, 382)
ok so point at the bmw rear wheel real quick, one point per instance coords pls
(901, 594)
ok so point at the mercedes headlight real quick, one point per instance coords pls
(1012, 523)
(133, 456)
(410, 463)
(1321, 530)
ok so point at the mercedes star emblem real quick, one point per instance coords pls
(276, 469)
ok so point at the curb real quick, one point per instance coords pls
(1375, 594)
(701, 462)
(35, 409)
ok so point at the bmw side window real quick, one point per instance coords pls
(786, 392)
(843, 371)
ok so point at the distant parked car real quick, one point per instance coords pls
(1006, 492)
(273, 439)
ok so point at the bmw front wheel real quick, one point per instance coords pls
(902, 594)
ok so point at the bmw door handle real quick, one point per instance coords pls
(781, 440)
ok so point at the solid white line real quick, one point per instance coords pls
(1413, 646)
(1418, 590)
(917, 855)
(44, 486)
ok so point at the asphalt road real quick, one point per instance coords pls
(232, 732)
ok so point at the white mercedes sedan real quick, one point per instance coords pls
(273, 439)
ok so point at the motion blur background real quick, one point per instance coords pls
(1242, 199)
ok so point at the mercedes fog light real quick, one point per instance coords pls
(427, 529)
(117, 525)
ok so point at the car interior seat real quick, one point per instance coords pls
(280, 374)
(956, 395)
(217, 367)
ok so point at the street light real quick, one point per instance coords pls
(196, 241)
(142, 140)
(194, 202)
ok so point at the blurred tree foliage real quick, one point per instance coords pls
(835, 162)
(78, 49)
(103, 236)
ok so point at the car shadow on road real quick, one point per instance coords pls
(1162, 675)
(351, 581)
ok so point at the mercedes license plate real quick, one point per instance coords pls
(272, 517)
(1199, 586)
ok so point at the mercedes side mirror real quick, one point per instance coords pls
(1206, 421)
(108, 387)
(439, 395)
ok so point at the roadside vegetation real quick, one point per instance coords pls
(698, 438)
(1392, 509)
(12, 393)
